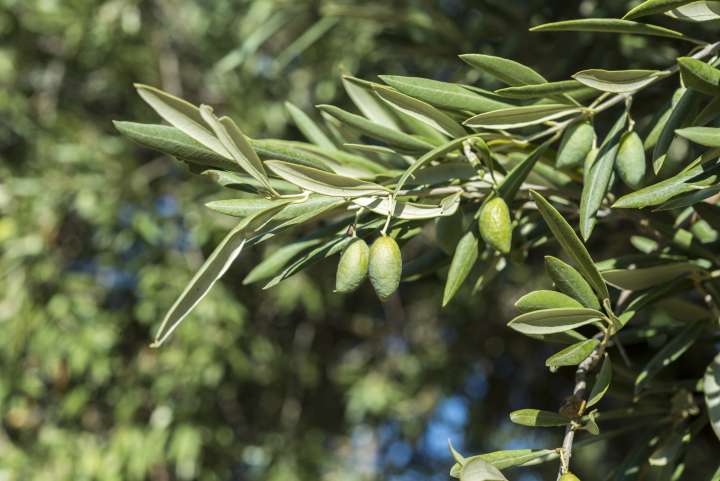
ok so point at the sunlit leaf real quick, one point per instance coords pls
(617, 81)
(323, 182)
(538, 418)
(505, 70)
(549, 321)
(607, 25)
(572, 355)
(517, 117)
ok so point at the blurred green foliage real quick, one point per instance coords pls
(97, 237)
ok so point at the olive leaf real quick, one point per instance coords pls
(698, 75)
(480, 470)
(393, 138)
(464, 258)
(617, 81)
(323, 182)
(212, 269)
(711, 387)
(550, 321)
(505, 70)
(308, 127)
(572, 355)
(512, 182)
(409, 210)
(705, 136)
(362, 95)
(670, 353)
(646, 277)
(544, 299)
(422, 111)
(540, 90)
(608, 25)
(602, 382)
(517, 117)
(650, 7)
(697, 11)
(443, 94)
(571, 244)
(598, 176)
(511, 457)
(538, 418)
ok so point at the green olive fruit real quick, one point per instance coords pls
(630, 160)
(495, 225)
(385, 266)
(352, 267)
(576, 143)
(569, 477)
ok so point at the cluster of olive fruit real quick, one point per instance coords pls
(382, 262)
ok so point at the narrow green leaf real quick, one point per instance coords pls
(550, 321)
(480, 470)
(697, 11)
(512, 457)
(308, 127)
(234, 180)
(569, 281)
(711, 386)
(663, 152)
(212, 269)
(422, 111)
(464, 258)
(183, 115)
(538, 418)
(646, 277)
(597, 179)
(650, 7)
(540, 90)
(410, 210)
(505, 70)
(705, 136)
(252, 205)
(617, 81)
(544, 299)
(323, 182)
(443, 94)
(517, 117)
(670, 353)
(172, 141)
(234, 141)
(608, 25)
(602, 382)
(362, 95)
(272, 264)
(700, 76)
(510, 186)
(571, 244)
(394, 138)
(572, 355)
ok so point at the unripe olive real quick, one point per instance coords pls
(575, 145)
(385, 266)
(630, 160)
(569, 477)
(495, 225)
(352, 267)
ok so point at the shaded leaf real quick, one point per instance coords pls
(602, 382)
(308, 127)
(571, 244)
(700, 76)
(540, 90)
(646, 277)
(480, 470)
(711, 386)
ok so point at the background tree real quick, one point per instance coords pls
(298, 382)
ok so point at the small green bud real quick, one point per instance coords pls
(630, 160)
(569, 477)
(352, 267)
(385, 266)
(495, 225)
